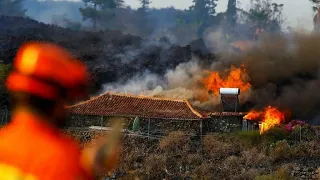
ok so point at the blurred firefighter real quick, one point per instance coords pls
(32, 146)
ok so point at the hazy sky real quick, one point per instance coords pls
(298, 13)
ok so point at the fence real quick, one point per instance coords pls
(125, 132)
(305, 133)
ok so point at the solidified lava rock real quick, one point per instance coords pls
(110, 55)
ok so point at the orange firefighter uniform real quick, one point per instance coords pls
(30, 147)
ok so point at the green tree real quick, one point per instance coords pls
(186, 27)
(203, 11)
(231, 13)
(143, 17)
(99, 10)
(12, 8)
(265, 14)
(144, 5)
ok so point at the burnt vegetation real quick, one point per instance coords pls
(276, 154)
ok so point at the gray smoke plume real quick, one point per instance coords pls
(139, 84)
(283, 71)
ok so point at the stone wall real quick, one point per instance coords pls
(164, 126)
(305, 168)
(305, 172)
(156, 126)
(84, 121)
(223, 124)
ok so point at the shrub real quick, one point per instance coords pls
(248, 174)
(215, 148)
(310, 149)
(275, 134)
(194, 160)
(232, 165)
(155, 166)
(308, 133)
(282, 150)
(253, 157)
(281, 174)
(176, 142)
(305, 133)
(253, 137)
(208, 171)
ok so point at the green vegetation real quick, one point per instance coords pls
(280, 174)
(99, 11)
(193, 22)
(143, 18)
(266, 15)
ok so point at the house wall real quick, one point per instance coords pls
(164, 126)
(248, 125)
(223, 124)
(157, 126)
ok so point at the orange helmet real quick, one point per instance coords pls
(48, 71)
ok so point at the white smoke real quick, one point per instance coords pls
(183, 82)
(215, 40)
(175, 83)
(137, 85)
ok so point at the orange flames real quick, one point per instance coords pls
(270, 117)
(236, 78)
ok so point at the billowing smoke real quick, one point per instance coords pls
(139, 84)
(182, 82)
(283, 71)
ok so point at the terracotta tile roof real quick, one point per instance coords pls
(228, 114)
(111, 104)
(204, 113)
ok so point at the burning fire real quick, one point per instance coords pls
(270, 117)
(237, 78)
